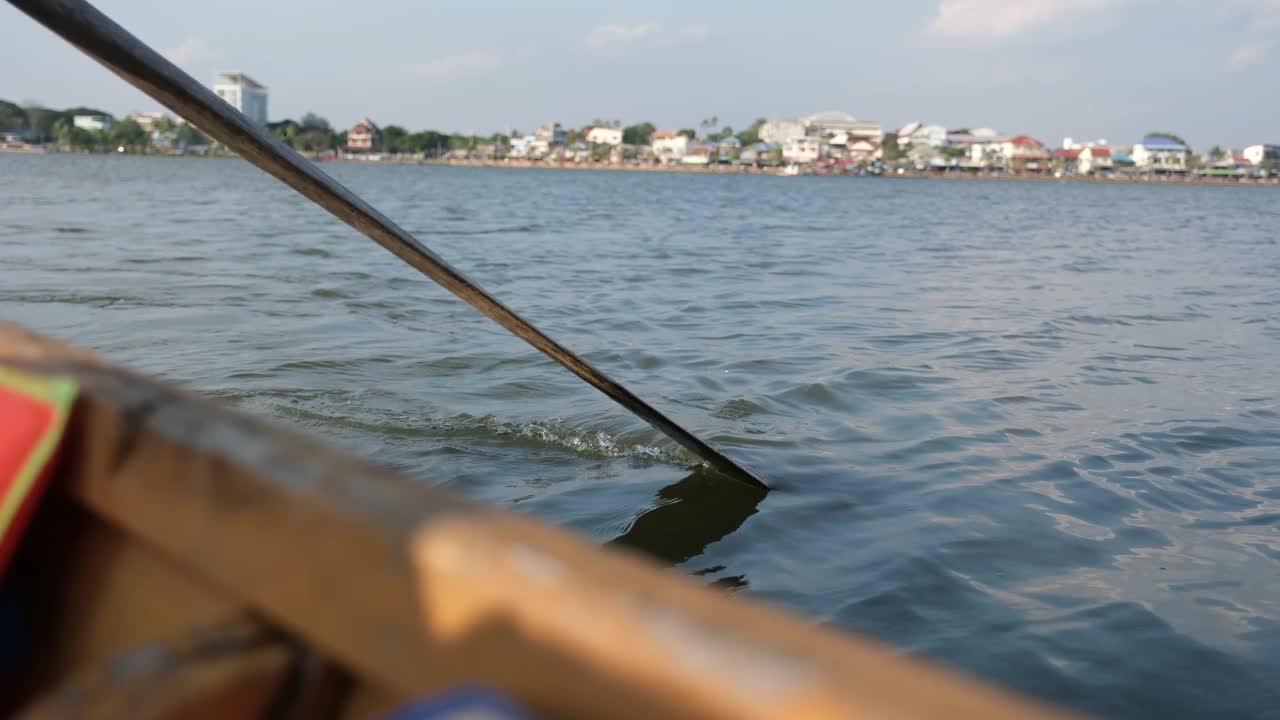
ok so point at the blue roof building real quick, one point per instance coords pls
(1161, 155)
(1159, 142)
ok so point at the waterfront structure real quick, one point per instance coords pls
(551, 133)
(529, 146)
(147, 120)
(1023, 152)
(983, 151)
(92, 123)
(244, 94)
(1068, 159)
(834, 122)
(863, 150)
(1094, 159)
(779, 131)
(604, 136)
(803, 149)
(1071, 144)
(668, 145)
(699, 154)
(917, 135)
(1258, 154)
(758, 154)
(16, 138)
(1160, 154)
(365, 136)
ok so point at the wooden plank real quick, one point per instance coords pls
(414, 591)
(88, 592)
(231, 671)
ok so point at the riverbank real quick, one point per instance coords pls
(811, 171)
(821, 171)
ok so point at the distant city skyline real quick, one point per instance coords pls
(1087, 69)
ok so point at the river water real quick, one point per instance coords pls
(1031, 430)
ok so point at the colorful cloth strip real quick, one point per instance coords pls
(33, 416)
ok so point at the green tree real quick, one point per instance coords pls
(13, 117)
(723, 133)
(286, 130)
(312, 121)
(314, 140)
(69, 136)
(601, 153)
(395, 139)
(427, 141)
(892, 151)
(1216, 153)
(129, 135)
(41, 119)
(638, 134)
(751, 135)
(189, 136)
(689, 133)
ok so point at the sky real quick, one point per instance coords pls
(1088, 69)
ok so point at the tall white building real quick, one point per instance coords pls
(244, 94)
(1258, 154)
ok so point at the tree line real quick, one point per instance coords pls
(43, 124)
(314, 133)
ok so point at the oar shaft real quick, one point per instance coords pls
(84, 26)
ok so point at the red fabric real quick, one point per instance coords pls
(24, 421)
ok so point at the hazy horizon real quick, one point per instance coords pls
(1089, 69)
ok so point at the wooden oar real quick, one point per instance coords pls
(97, 35)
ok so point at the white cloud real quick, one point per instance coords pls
(454, 66)
(615, 37)
(1249, 54)
(191, 50)
(986, 21)
(1263, 14)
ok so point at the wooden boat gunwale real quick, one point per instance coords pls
(411, 591)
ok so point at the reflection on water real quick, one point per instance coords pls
(1028, 429)
(690, 515)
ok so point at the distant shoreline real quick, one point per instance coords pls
(1188, 179)
(907, 174)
